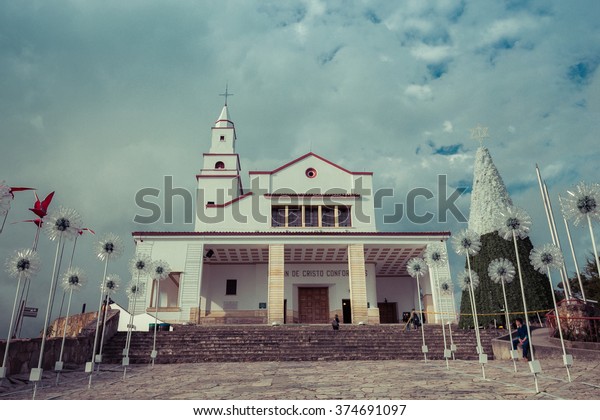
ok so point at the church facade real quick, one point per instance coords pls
(300, 245)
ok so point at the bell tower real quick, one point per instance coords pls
(219, 179)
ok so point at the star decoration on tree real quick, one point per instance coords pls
(479, 133)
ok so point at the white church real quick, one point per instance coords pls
(298, 246)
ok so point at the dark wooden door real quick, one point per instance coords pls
(387, 312)
(313, 305)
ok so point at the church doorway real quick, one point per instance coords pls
(346, 311)
(313, 305)
(388, 312)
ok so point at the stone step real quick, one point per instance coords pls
(195, 344)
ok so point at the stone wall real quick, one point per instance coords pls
(24, 353)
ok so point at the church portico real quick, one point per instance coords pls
(233, 278)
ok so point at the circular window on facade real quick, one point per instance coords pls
(311, 172)
(219, 165)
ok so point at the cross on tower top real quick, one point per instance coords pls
(226, 94)
(479, 133)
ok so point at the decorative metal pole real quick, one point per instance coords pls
(23, 264)
(550, 256)
(111, 285)
(61, 224)
(108, 248)
(572, 249)
(502, 271)
(160, 271)
(141, 265)
(73, 279)
(416, 267)
(581, 205)
(552, 227)
(468, 243)
(436, 258)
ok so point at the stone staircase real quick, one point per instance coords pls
(196, 344)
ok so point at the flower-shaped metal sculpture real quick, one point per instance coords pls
(24, 263)
(62, 222)
(111, 284)
(110, 247)
(581, 202)
(513, 221)
(74, 279)
(160, 270)
(466, 242)
(468, 278)
(436, 255)
(416, 267)
(135, 290)
(546, 257)
(141, 265)
(501, 270)
(446, 288)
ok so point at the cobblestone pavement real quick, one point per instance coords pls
(341, 380)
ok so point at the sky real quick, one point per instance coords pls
(101, 99)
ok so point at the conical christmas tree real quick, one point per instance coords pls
(488, 198)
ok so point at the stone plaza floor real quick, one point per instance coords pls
(330, 380)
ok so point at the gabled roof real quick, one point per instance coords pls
(301, 158)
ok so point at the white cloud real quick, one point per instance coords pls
(448, 128)
(420, 92)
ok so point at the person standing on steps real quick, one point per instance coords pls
(335, 323)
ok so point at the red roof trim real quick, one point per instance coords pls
(304, 157)
(211, 206)
(291, 233)
(221, 154)
(217, 176)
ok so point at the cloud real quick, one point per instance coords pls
(448, 128)
(422, 93)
